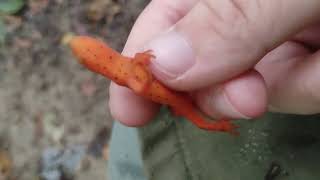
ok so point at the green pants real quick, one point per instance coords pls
(274, 147)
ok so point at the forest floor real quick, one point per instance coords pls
(54, 118)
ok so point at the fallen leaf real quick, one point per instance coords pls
(105, 152)
(97, 9)
(10, 6)
(12, 22)
(66, 38)
(23, 43)
(5, 165)
(37, 6)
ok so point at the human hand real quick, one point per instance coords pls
(237, 57)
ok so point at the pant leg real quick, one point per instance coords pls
(125, 161)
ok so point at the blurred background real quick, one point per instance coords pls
(54, 119)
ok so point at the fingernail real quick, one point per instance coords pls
(222, 104)
(174, 55)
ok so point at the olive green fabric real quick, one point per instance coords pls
(174, 149)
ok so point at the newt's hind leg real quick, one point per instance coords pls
(141, 77)
(199, 120)
(175, 112)
(224, 125)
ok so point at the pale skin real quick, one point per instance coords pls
(238, 58)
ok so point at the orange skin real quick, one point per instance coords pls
(134, 74)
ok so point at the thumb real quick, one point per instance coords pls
(218, 40)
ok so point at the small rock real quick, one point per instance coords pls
(57, 163)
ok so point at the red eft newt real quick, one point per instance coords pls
(135, 74)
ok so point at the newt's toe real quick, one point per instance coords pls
(228, 126)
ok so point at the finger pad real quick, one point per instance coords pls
(248, 94)
(130, 109)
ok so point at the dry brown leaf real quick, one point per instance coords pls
(23, 43)
(66, 38)
(5, 165)
(97, 9)
(12, 22)
(37, 6)
(105, 152)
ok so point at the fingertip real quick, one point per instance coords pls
(130, 109)
(244, 97)
(248, 94)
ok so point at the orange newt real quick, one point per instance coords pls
(134, 74)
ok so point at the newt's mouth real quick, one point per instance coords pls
(80, 59)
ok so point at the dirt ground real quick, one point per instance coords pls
(49, 103)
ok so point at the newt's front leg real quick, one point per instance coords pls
(141, 77)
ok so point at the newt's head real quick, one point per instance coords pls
(91, 52)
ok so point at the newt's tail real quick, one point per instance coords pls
(198, 118)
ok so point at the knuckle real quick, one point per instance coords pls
(231, 11)
(236, 21)
(229, 19)
(172, 10)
